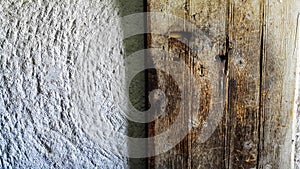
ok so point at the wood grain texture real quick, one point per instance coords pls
(296, 115)
(255, 43)
(207, 38)
(177, 157)
(244, 45)
(210, 17)
(278, 84)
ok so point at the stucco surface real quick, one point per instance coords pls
(61, 80)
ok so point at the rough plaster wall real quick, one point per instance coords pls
(61, 69)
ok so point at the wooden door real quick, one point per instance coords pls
(242, 55)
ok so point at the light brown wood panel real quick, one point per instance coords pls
(278, 84)
(210, 17)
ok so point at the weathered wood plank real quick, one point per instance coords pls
(201, 47)
(244, 46)
(177, 157)
(210, 17)
(296, 116)
(259, 128)
(278, 84)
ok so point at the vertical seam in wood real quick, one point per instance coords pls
(189, 140)
(260, 110)
(227, 135)
(149, 85)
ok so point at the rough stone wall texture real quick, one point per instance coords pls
(61, 69)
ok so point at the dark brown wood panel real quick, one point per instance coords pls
(199, 40)
(178, 156)
(244, 53)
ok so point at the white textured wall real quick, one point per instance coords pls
(61, 72)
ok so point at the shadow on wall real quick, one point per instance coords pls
(137, 94)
